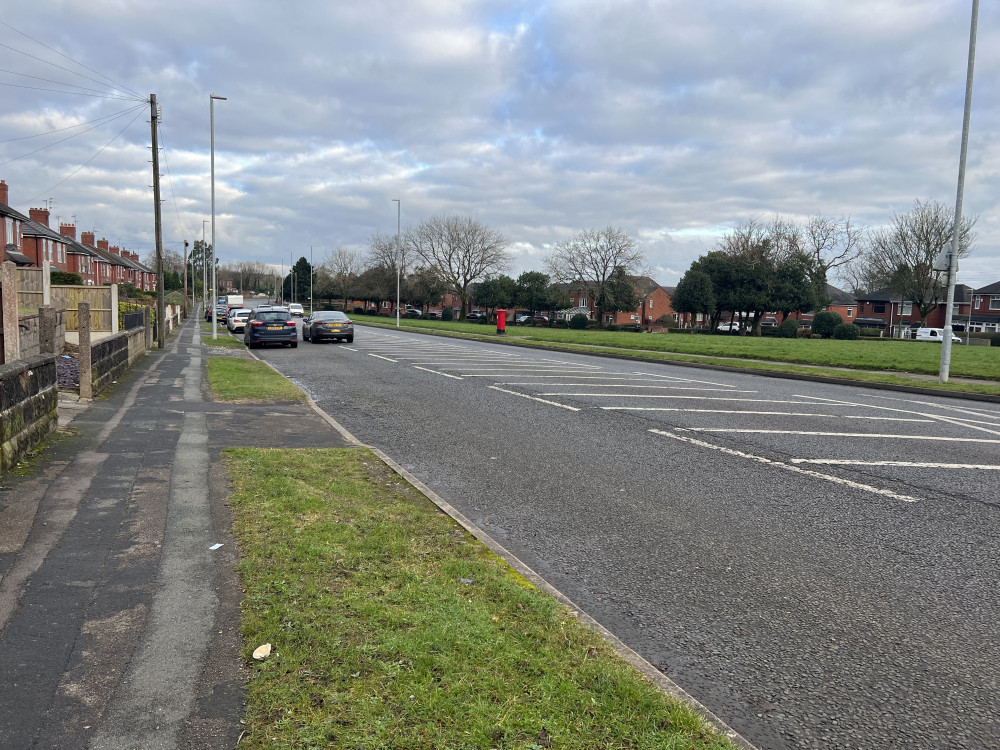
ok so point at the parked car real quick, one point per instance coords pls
(237, 318)
(272, 325)
(475, 316)
(328, 324)
(221, 312)
(539, 320)
(522, 319)
(734, 326)
(412, 312)
(296, 309)
(434, 314)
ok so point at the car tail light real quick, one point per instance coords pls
(347, 322)
(289, 322)
(256, 323)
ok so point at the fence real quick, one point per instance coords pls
(103, 301)
(31, 288)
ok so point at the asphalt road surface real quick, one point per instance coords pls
(817, 564)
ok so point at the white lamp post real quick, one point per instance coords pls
(399, 259)
(215, 291)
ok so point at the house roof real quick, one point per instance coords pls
(11, 253)
(35, 229)
(839, 296)
(993, 288)
(879, 295)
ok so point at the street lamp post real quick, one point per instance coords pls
(957, 229)
(399, 259)
(204, 266)
(211, 118)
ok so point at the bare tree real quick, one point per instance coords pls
(343, 267)
(834, 242)
(461, 249)
(590, 259)
(901, 256)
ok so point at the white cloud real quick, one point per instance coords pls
(672, 119)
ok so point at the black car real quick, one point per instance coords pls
(412, 312)
(272, 325)
(328, 324)
(475, 316)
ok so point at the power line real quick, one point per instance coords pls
(49, 80)
(71, 127)
(60, 67)
(170, 181)
(70, 137)
(77, 93)
(49, 190)
(117, 85)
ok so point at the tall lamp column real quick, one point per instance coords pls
(215, 291)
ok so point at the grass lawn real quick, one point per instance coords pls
(234, 379)
(875, 355)
(392, 627)
(225, 337)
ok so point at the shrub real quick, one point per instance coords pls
(447, 313)
(788, 329)
(578, 322)
(65, 278)
(803, 333)
(560, 323)
(995, 339)
(359, 311)
(847, 332)
(871, 332)
(825, 322)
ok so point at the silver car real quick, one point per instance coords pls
(328, 324)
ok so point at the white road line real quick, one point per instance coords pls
(379, 356)
(937, 417)
(880, 436)
(684, 380)
(425, 369)
(503, 374)
(708, 398)
(350, 348)
(908, 464)
(533, 398)
(788, 467)
(630, 385)
(766, 413)
(981, 412)
(639, 395)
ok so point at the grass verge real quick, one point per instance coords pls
(234, 379)
(225, 337)
(392, 627)
(864, 361)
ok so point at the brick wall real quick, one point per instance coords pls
(29, 401)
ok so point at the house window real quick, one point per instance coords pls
(651, 304)
(10, 238)
(583, 302)
(975, 302)
(878, 308)
(907, 308)
(995, 302)
(850, 312)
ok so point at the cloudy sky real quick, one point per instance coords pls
(673, 119)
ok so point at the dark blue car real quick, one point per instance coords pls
(271, 325)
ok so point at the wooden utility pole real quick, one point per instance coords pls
(154, 115)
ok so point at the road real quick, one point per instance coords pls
(817, 564)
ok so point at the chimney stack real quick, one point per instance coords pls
(114, 250)
(3, 193)
(41, 215)
(102, 244)
(68, 230)
(87, 238)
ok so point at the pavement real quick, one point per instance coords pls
(119, 622)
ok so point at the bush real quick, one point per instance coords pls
(803, 333)
(447, 313)
(847, 332)
(995, 339)
(65, 278)
(359, 311)
(871, 332)
(788, 329)
(578, 322)
(560, 323)
(824, 323)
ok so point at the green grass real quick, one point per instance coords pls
(234, 379)
(225, 337)
(357, 582)
(866, 355)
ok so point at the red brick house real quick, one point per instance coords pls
(654, 303)
(984, 315)
(885, 310)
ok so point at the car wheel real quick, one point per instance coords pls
(295, 345)
(350, 339)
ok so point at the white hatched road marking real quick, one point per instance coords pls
(881, 436)
(766, 413)
(533, 398)
(788, 467)
(938, 417)
(379, 356)
(684, 380)
(908, 464)
(427, 369)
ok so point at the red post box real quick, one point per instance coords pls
(501, 322)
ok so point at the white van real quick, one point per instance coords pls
(935, 334)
